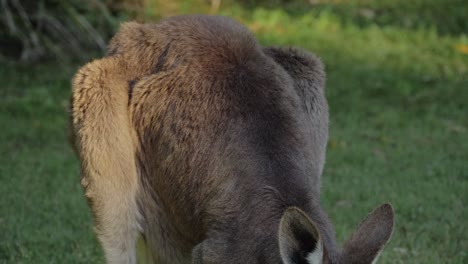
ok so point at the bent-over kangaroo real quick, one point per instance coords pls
(197, 145)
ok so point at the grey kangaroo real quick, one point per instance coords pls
(197, 145)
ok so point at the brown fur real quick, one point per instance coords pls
(196, 138)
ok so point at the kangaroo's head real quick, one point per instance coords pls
(300, 241)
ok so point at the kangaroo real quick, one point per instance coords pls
(197, 145)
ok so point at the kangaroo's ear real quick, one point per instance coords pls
(299, 240)
(370, 237)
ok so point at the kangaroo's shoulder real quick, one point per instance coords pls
(300, 64)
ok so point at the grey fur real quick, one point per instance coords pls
(228, 136)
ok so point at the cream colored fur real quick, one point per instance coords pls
(106, 148)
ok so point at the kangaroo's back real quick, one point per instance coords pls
(196, 139)
(218, 127)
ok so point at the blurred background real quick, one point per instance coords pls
(397, 89)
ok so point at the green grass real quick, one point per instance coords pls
(399, 133)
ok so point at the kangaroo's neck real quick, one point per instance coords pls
(253, 214)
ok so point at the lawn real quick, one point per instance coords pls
(399, 133)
